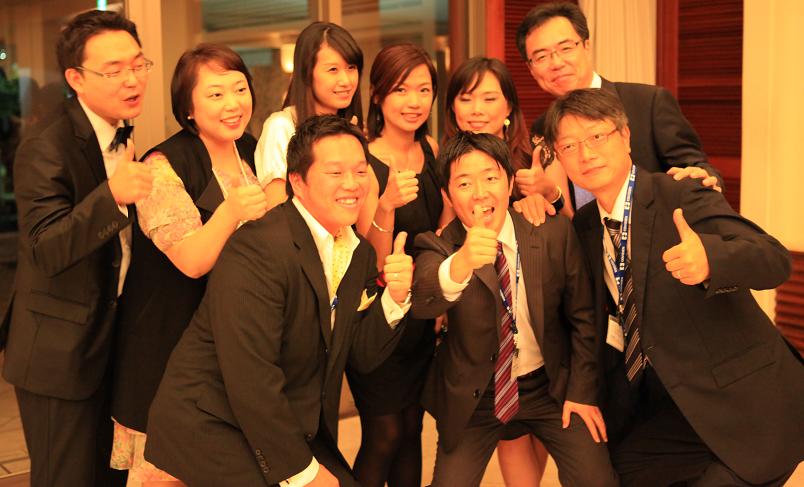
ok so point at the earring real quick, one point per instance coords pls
(189, 117)
(506, 122)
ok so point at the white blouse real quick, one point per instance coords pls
(270, 158)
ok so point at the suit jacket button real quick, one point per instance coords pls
(476, 394)
(323, 395)
(430, 299)
(494, 356)
(308, 437)
(326, 350)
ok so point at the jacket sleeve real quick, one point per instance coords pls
(61, 230)
(676, 140)
(428, 300)
(740, 254)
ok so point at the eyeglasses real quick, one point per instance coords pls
(592, 142)
(140, 71)
(563, 50)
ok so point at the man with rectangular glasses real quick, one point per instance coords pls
(73, 180)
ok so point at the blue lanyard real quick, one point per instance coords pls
(618, 267)
(509, 307)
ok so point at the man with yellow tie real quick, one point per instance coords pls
(251, 394)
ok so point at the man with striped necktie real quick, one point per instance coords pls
(519, 351)
(698, 387)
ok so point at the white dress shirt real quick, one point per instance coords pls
(105, 133)
(394, 312)
(529, 356)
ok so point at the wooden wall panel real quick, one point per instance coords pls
(710, 80)
(790, 304)
(532, 99)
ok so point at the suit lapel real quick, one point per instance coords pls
(88, 141)
(529, 241)
(642, 220)
(349, 291)
(311, 266)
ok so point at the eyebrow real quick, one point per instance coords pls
(116, 62)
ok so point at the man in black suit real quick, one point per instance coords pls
(698, 385)
(519, 351)
(553, 39)
(72, 182)
(251, 392)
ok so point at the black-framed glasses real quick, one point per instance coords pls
(592, 142)
(563, 50)
(139, 69)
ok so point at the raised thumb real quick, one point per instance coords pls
(399, 243)
(684, 230)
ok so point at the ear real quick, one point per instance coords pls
(625, 133)
(298, 185)
(75, 79)
(445, 196)
(510, 186)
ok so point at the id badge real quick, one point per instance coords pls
(614, 336)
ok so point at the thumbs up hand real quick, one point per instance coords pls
(686, 261)
(479, 249)
(398, 270)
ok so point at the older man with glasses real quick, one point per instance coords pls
(73, 181)
(554, 41)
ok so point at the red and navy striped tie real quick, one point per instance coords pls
(506, 389)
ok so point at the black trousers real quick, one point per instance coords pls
(69, 442)
(581, 462)
(660, 447)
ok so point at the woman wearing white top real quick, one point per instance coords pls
(327, 64)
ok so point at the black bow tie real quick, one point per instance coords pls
(121, 136)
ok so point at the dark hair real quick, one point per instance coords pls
(463, 143)
(315, 128)
(74, 37)
(538, 16)
(466, 79)
(305, 55)
(391, 68)
(588, 103)
(185, 77)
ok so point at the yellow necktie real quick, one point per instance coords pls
(340, 260)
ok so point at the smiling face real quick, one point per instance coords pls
(559, 74)
(334, 81)
(601, 170)
(476, 179)
(221, 104)
(336, 183)
(484, 109)
(408, 105)
(113, 99)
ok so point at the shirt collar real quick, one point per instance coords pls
(321, 235)
(619, 205)
(597, 81)
(104, 131)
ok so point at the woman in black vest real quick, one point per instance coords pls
(203, 189)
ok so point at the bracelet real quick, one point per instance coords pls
(374, 224)
(558, 203)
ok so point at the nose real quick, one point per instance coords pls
(229, 101)
(477, 106)
(343, 78)
(556, 61)
(479, 191)
(415, 99)
(349, 181)
(129, 78)
(585, 152)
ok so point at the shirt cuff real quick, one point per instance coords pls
(393, 312)
(450, 289)
(123, 209)
(304, 477)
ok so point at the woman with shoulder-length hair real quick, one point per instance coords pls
(204, 188)
(404, 197)
(327, 64)
(481, 97)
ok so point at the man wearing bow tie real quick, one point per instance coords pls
(251, 393)
(73, 181)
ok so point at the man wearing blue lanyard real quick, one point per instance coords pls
(698, 387)
(518, 355)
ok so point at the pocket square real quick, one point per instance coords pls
(366, 300)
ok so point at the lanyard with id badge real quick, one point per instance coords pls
(615, 335)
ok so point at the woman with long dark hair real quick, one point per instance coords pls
(405, 197)
(327, 64)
